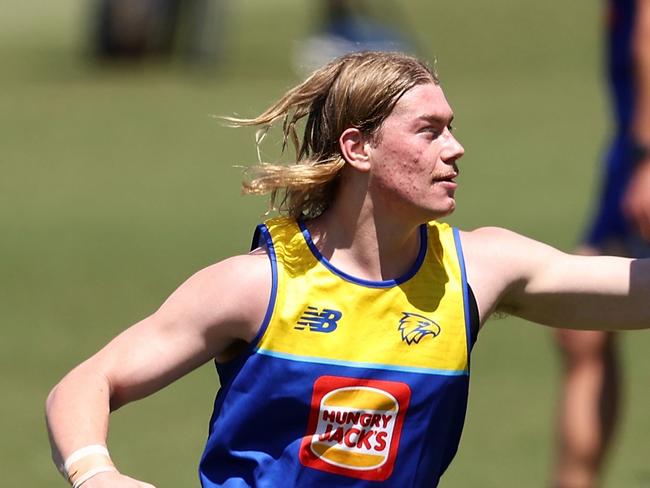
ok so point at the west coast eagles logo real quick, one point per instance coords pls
(414, 327)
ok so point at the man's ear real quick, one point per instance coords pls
(354, 149)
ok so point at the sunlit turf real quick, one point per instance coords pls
(116, 183)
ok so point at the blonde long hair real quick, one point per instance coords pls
(356, 90)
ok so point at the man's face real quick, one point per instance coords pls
(413, 159)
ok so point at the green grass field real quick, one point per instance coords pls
(116, 184)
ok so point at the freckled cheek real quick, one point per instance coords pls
(408, 162)
(405, 181)
(413, 174)
(403, 171)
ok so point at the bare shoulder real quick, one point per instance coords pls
(223, 304)
(486, 248)
(491, 236)
(241, 270)
(496, 246)
(232, 294)
(499, 260)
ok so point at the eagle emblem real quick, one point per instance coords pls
(414, 327)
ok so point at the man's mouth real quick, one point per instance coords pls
(451, 178)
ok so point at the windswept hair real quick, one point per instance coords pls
(356, 90)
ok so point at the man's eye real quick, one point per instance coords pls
(432, 130)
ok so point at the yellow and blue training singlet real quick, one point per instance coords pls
(349, 382)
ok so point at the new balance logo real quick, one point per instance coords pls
(319, 321)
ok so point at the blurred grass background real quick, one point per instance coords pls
(116, 184)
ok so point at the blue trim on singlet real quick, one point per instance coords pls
(227, 370)
(268, 240)
(463, 274)
(369, 283)
(355, 364)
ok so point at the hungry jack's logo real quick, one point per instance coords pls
(355, 426)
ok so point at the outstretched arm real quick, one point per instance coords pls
(523, 277)
(206, 317)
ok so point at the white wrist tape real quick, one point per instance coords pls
(87, 462)
(85, 452)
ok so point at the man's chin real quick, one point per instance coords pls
(441, 212)
(450, 207)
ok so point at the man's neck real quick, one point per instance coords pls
(357, 241)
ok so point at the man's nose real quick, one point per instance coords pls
(453, 149)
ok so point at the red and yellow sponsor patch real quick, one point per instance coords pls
(354, 426)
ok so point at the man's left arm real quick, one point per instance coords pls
(523, 277)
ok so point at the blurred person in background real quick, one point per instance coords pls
(126, 29)
(343, 339)
(348, 26)
(621, 226)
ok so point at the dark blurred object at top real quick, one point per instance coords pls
(137, 29)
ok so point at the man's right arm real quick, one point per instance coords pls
(203, 319)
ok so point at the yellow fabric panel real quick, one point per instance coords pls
(365, 322)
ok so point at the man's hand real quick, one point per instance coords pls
(636, 202)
